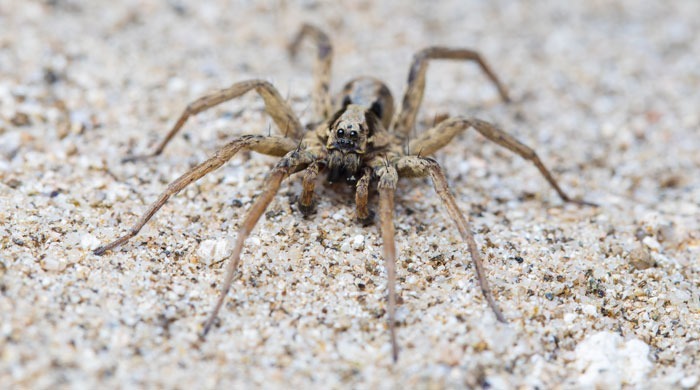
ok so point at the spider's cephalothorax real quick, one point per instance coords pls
(367, 107)
(348, 140)
(361, 144)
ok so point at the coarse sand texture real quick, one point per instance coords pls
(606, 92)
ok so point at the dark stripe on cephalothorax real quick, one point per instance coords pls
(377, 109)
(372, 121)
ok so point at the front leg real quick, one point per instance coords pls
(275, 106)
(364, 215)
(406, 118)
(292, 162)
(388, 178)
(414, 166)
(307, 205)
(274, 146)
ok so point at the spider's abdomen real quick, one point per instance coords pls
(371, 94)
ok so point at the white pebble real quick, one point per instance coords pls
(358, 242)
(589, 310)
(607, 361)
(651, 243)
(210, 251)
(6, 329)
(88, 241)
(680, 297)
(689, 382)
(51, 263)
(569, 318)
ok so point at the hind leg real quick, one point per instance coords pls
(413, 96)
(322, 67)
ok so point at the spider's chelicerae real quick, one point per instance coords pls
(358, 141)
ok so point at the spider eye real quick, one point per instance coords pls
(353, 134)
(341, 132)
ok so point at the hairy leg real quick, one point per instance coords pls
(275, 106)
(437, 137)
(307, 205)
(413, 166)
(364, 215)
(413, 96)
(322, 67)
(275, 146)
(388, 178)
(292, 162)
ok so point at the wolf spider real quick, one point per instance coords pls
(359, 141)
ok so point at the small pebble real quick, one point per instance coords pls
(606, 360)
(689, 382)
(569, 318)
(88, 241)
(210, 251)
(651, 243)
(52, 264)
(640, 258)
(589, 310)
(358, 242)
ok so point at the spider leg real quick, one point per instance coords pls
(437, 137)
(388, 178)
(406, 118)
(290, 163)
(307, 205)
(274, 146)
(322, 67)
(364, 215)
(414, 166)
(275, 106)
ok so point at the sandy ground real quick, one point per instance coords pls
(606, 92)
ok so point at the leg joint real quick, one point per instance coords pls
(262, 85)
(388, 177)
